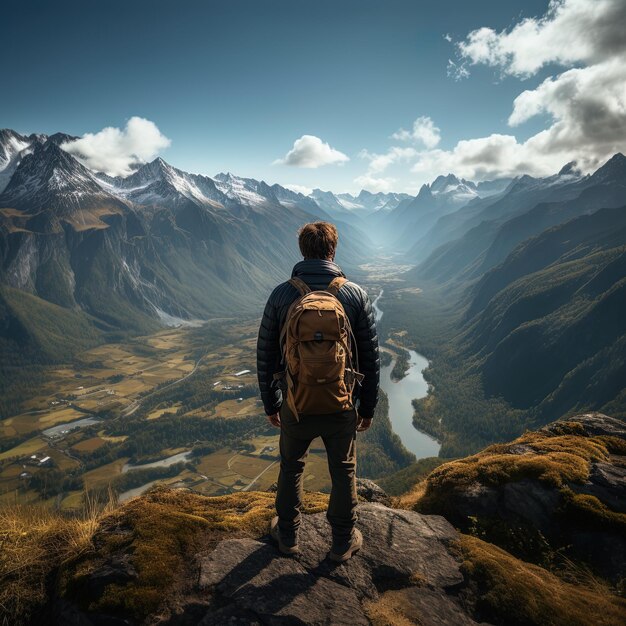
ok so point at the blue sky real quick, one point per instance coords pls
(233, 84)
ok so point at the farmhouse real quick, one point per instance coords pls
(37, 459)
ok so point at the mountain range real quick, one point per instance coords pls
(534, 284)
(159, 246)
(534, 266)
(163, 245)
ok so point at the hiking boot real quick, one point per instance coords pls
(339, 554)
(284, 545)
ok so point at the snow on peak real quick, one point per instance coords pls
(13, 147)
(243, 190)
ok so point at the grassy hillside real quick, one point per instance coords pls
(35, 333)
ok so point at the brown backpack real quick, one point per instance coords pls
(316, 342)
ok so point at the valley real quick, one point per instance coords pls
(501, 305)
(179, 406)
(74, 418)
(402, 392)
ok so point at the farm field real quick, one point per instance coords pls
(136, 385)
(129, 382)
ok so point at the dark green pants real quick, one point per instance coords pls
(338, 432)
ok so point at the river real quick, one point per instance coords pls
(401, 394)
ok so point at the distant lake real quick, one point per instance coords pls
(137, 491)
(400, 396)
(181, 457)
(62, 429)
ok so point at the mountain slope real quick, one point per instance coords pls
(546, 324)
(412, 218)
(159, 246)
(517, 215)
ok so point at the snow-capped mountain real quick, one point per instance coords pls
(289, 198)
(367, 202)
(13, 147)
(413, 216)
(363, 204)
(328, 201)
(481, 233)
(158, 182)
(49, 177)
(457, 190)
(160, 244)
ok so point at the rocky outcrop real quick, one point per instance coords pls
(243, 579)
(565, 484)
(247, 580)
(370, 491)
(176, 557)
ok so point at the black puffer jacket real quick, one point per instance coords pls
(317, 274)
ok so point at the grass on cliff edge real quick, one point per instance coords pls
(505, 590)
(557, 458)
(33, 541)
(44, 553)
(516, 593)
(162, 532)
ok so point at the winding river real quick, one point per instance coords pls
(400, 395)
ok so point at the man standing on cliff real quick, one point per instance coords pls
(318, 370)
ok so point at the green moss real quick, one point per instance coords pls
(614, 445)
(591, 512)
(567, 428)
(161, 532)
(554, 459)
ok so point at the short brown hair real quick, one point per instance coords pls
(318, 240)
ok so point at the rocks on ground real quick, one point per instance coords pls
(404, 551)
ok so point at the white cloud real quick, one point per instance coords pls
(480, 159)
(311, 152)
(305, 191)
(585, 105)
(373, 184)
(458, 71)
(424, 131)
(378, 163)
(571, 31)
(115, 151)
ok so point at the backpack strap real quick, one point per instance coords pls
(300, 285)
(336, 284)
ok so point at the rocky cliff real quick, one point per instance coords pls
(176, 557)
(559, 490)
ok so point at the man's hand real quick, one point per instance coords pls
(363, 424)
(274, 420)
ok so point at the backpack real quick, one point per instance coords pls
(316, 341)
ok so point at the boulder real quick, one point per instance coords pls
(249, 582)
(583, 517)
(370, 491)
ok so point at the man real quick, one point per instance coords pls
(318, 242)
